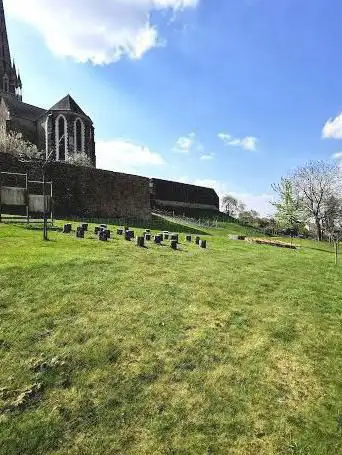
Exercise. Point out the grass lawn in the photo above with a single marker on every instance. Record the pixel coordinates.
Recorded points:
(110, 349)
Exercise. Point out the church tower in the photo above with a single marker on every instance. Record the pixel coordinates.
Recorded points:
(10, 82)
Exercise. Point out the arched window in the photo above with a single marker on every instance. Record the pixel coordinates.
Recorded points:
(79, 135)
(6, 84)
(61, 138)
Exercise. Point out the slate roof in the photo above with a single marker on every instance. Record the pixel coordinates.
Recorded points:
(23, 110)
(68, 104)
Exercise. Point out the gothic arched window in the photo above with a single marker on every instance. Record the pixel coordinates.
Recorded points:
(61, 138)
(79, 135)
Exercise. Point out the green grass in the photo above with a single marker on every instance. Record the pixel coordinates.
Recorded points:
(110, 349)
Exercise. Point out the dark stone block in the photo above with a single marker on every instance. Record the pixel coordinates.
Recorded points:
(97, 230)
(198, 239)
(147, 231)
(174, 237)
(148, 237)
(119, 231)
(203, 244)
(157, 239)
(107, 232)
(80, 233)
(188, 238)
(104, 226)
(128, 236)
(166, 236)
(103, 236)
(132, 234)
(67, 228)
(174, 244)
(84, 226)
(141, 241)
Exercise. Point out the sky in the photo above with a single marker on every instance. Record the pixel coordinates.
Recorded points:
(230, 94)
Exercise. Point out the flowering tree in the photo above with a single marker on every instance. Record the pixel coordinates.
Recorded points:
(14, 144)
(79, 159)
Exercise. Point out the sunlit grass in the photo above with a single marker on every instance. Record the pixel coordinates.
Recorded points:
(106, 348)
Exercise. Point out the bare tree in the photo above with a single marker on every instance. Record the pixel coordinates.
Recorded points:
(314, 184)
(332, 216)
(230, 205)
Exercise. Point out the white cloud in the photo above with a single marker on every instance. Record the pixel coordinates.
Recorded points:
(124, 156)
(333, 128)
(337, 156)
(208, 157)
(225, 137)
(185, 144)
(247, 143)
(258, 202)
(100, 31)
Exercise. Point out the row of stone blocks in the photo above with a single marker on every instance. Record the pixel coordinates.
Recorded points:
(104, 234)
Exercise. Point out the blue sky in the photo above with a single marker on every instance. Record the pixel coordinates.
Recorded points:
(227, 93)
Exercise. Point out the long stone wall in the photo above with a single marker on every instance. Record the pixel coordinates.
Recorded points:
(87, 192)
(183, 198)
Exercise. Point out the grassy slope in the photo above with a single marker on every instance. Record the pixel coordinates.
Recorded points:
(231, 350)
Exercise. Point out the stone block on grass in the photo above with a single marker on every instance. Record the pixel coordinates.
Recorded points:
(203, 244)
(102, 236)
(188, 238)
(67, 228)
(198, 239)
(157, 239)
(80, 233)
(140, 242)
(174, 244)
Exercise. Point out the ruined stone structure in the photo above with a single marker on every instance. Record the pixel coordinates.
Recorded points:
(63, 130)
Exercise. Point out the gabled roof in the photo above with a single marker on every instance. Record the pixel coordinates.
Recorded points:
(22, 110)
(68, 104)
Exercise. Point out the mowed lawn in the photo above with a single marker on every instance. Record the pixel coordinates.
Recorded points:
(110, 349)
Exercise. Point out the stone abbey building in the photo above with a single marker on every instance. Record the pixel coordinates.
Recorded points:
(63, 129)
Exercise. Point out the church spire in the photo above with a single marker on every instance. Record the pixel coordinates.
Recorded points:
(9, 82)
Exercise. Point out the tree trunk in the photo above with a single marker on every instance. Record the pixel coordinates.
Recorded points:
(318, 229)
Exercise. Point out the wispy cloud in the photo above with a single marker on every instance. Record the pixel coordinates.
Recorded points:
(125, 156)
(207, 157)
(248, 143)
(333, 128)
(185, 144)
(100, 32)
(337, 156)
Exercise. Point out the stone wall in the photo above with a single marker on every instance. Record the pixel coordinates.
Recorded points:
(87, 192)
(183, 198)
